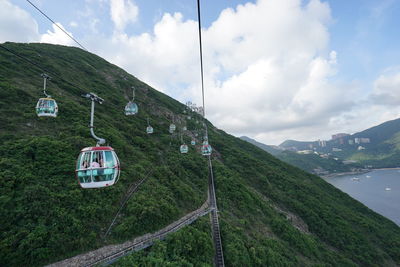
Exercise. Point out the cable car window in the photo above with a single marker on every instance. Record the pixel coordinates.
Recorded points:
(83, 174)
(95, 163)
(79, 162)
(109, 163)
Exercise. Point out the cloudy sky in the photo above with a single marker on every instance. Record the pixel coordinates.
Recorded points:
(274, 69)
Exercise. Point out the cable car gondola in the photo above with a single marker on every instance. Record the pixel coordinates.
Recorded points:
(131, 108)
(184, 149)
(46, 106)
(206, 149)
(193, 142)
(172, 128)
(97, 166)
(149, 129)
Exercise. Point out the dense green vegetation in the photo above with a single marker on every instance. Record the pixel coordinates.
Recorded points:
(271, 213)
(190, 246)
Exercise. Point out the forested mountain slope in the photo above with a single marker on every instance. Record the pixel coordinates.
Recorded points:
(270, 212)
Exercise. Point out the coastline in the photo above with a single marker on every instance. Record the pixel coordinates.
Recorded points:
(394, 168)
(331, 175)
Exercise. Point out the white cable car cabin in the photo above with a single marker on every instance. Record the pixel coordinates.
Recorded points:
(184, 149)
(46, 107)
(206, 149)
(149, 130)
(172, 128)
(131, 108)
(193, 142)
(97, 167)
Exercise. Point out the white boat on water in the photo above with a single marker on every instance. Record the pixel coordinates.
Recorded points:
(388, 188)
(368, 176)
(355, 179)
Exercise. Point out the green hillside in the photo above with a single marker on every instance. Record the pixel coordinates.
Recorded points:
(308, 162)
(273, 150)
(271, 213)
(314, 163)
(383, 150)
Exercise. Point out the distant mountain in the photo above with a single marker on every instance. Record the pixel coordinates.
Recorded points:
(384, 147)
(273, 150)
(378, 146)
(381, 132)
(297, 145)
(317, 164)
(313, 163)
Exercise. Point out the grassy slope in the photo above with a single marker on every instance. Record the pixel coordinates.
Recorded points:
(42, 206)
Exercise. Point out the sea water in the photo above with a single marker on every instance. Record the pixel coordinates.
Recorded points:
(379, 190)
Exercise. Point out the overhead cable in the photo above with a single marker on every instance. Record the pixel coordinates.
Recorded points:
(54, 75)
(57, 25)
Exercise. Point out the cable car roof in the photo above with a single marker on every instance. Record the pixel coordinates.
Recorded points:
(96, 148)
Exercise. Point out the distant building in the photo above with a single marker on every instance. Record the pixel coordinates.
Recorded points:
(360, 148)
(349, 162)
(335, 149)
(351, 142)
(364, 140)
(339, 135)
(305, 152)
(322, 143)
(341, 141)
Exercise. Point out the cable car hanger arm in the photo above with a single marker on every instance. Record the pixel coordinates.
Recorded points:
(94, 98)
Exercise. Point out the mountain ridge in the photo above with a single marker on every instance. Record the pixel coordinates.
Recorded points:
(375, 147)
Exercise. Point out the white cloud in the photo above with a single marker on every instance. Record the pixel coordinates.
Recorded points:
(269, 72)
(57, 36)
(16, 24)
(73, 24)
(122, 13)
(166, 58)
(267, 66)
(386, 90)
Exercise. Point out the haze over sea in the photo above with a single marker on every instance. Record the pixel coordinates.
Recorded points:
(379, 190)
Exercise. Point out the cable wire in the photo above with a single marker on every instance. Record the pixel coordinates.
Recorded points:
(57, 25)
(41, 68)
(201, 58)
